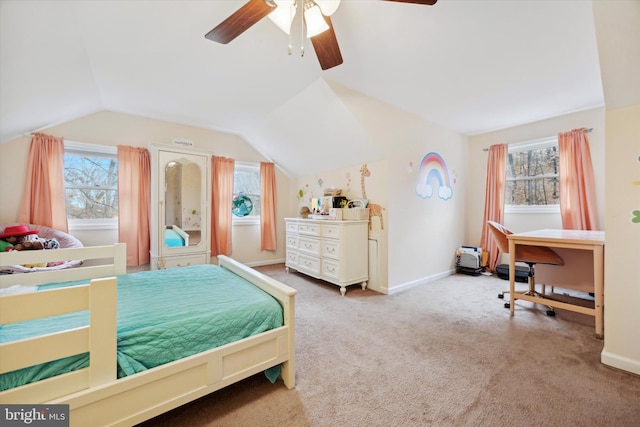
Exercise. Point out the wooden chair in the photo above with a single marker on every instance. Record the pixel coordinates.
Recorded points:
(530, 255)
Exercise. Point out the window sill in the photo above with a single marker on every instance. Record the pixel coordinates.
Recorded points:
(551, 209)
(246, 221)
(92, 224)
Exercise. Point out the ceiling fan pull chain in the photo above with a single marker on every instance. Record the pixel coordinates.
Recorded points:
(302, 28)
(292, 14)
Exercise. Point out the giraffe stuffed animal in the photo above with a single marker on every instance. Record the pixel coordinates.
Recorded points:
(374, 209)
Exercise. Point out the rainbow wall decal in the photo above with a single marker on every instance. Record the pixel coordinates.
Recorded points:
(433, 169)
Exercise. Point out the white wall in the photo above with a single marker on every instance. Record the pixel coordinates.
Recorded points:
(110, 128)
(420, 236)
(425, 233)
(622, 241)
(618, 33)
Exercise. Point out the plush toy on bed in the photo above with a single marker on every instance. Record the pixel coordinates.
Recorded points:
(5, 246)
(21, 238)
(25, 243)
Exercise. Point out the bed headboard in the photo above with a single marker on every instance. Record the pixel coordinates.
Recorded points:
(110, 260)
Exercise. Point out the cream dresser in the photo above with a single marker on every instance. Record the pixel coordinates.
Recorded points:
(334, 251)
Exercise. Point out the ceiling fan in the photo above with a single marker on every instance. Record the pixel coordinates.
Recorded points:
(316, 18)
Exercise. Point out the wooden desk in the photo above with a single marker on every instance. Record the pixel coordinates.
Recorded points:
(568, 239)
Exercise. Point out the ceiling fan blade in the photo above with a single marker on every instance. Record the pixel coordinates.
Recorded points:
(326, 46)
(424, 2)
(240, 21)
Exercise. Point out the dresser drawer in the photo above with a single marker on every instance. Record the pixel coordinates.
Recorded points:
(181, 261)
(330, 269)
(292, 259)
(331, 249)
(292, 241)
(309, 265)
(330, 231)
(309, 246)
(292, 227)
(309, 229)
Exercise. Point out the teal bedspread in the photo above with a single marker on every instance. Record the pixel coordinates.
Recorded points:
(172, 238)
(163, 316)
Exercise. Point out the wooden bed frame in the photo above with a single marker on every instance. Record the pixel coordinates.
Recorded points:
(94, 395)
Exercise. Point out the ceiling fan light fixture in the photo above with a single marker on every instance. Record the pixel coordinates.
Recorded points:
(328, 7)
(314, 19)
(283, 15)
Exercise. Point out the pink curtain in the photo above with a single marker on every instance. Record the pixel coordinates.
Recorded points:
(43, 200)
(222, 170)
(134, 202)
(577, 184)
(268, 221)
(494, 201)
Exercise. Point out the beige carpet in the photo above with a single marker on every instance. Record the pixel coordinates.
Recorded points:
(443, 354)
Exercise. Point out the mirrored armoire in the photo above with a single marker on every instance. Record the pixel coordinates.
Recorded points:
(180, 215)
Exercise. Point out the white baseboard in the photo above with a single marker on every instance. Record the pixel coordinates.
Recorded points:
(620, 362)
(420, 282)
(268, 262)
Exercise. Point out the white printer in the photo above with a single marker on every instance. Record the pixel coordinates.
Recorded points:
(469, 257)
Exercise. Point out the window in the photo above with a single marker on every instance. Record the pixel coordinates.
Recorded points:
(532, 176)
(246, 193)
(91, 185)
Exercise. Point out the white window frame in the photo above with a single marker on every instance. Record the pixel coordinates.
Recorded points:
(91, 224)
(526, 146)
(254, 220)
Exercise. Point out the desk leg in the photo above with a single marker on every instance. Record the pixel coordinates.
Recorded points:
(598, 279)
(512, 277)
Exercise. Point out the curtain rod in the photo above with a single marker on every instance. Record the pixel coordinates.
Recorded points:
(587, 130)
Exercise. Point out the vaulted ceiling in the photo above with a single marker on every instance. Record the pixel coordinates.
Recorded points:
(468, 66)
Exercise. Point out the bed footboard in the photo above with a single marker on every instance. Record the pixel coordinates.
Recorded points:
(98, 339)
(285, 296)
(142, 396)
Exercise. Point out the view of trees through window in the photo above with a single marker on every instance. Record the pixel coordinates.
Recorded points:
(91, 182)
(532, 175)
